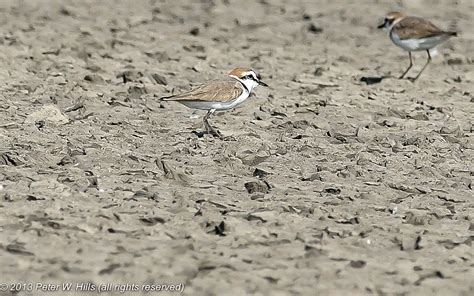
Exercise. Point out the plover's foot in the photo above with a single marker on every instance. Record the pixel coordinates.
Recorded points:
(215, 133)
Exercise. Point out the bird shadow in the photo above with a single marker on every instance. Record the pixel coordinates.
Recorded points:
(369, 80)
(201, 134)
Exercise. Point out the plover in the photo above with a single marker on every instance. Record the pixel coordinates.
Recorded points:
(414, 34)
(218, 95)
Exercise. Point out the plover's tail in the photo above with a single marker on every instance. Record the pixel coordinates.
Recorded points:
(168, 98)
(452, 33)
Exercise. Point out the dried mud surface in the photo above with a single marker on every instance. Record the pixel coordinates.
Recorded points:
(329, 186)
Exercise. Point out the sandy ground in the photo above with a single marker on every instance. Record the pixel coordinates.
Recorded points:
(330, 186)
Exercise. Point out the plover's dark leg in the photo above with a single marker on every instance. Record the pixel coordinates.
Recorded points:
(423, 69)
(209, 129)
(409, 67)
(207, 126)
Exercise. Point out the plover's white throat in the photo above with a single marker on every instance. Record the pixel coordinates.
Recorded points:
(220, 95)
(414, 34)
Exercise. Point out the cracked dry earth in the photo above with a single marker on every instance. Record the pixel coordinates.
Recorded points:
(329, 186)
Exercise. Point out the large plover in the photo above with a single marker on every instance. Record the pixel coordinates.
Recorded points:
(414, 34)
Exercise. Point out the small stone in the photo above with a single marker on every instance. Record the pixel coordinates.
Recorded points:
(318, 71)
(455, 61)
(256, 196)
(135, 91)
(357, 263)
(417, 218)
(160, 79)
(259, 173)
(259, 115)
(263, 216)
(393, 209)
(410, 244)
(253, 187)
(130, 75)
(94, 78)
(314, 29)
(47, 115)
(312, 178)
(194, 31)
(332, 190)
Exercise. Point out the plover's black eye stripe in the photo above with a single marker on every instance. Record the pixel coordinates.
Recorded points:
(250, 76)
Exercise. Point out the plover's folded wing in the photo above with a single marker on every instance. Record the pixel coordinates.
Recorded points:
(417, 28)
(212, 91)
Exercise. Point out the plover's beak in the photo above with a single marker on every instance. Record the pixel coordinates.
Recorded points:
(381, 26)
(262, 83)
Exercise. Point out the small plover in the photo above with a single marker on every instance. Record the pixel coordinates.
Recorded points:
(220, 95)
